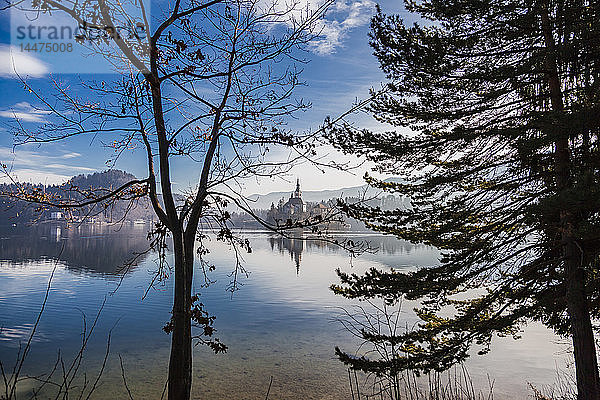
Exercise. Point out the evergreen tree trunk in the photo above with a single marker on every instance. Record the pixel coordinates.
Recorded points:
(180, 363)
(584, 347)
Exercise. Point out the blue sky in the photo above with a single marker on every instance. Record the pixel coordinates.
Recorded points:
(341, 69)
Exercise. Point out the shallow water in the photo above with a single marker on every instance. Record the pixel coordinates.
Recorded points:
(280, 323)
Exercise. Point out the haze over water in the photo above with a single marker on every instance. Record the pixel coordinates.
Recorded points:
(280, 323)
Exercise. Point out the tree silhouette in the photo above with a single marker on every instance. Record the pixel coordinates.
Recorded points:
(501, 103)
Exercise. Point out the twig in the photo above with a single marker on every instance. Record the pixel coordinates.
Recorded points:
(269, 389)
(23, 356)
(350, 380)
(124, 379)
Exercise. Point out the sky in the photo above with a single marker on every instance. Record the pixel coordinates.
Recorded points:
(341, 69)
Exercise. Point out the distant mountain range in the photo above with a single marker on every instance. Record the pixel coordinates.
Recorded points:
(263, 201)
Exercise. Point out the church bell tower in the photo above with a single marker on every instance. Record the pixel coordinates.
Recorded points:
(298, 192)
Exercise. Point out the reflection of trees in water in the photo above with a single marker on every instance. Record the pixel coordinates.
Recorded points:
(392, 246)
(387, 245)
(97, 248)
(105, 249)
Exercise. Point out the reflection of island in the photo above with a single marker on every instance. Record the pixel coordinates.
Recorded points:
(96, 248)
(294, 247)
(387, 245)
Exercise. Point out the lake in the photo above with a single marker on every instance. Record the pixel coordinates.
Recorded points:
(281, 323)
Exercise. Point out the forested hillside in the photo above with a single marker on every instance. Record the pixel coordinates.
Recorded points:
(18, 211)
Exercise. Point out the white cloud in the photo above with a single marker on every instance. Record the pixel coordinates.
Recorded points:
(359, 13)
(343, 16)
(71, 155)
(35, 176)
(25, 112)
(14, 62)
(74, 168)
(330, 38)
(38, 167)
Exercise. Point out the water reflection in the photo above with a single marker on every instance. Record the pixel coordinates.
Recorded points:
(294, 247)
(94, 248)
(378, 245)
(278, 324)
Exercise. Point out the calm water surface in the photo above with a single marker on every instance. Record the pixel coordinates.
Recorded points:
(280, 323)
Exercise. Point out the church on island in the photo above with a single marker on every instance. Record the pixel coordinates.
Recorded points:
(295, 207)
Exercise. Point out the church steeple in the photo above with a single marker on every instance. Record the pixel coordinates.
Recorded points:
(298, 193)
(295, 205)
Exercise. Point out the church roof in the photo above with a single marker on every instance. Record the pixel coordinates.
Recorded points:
(295, 200)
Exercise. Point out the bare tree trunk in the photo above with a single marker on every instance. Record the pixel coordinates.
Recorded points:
(180, 363)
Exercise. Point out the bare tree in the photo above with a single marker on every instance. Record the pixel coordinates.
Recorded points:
(211, 82)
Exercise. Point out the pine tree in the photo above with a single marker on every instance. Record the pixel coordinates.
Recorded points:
(496, 112)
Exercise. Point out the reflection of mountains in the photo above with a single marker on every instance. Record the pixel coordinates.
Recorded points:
(97, 248)
(388, 245)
